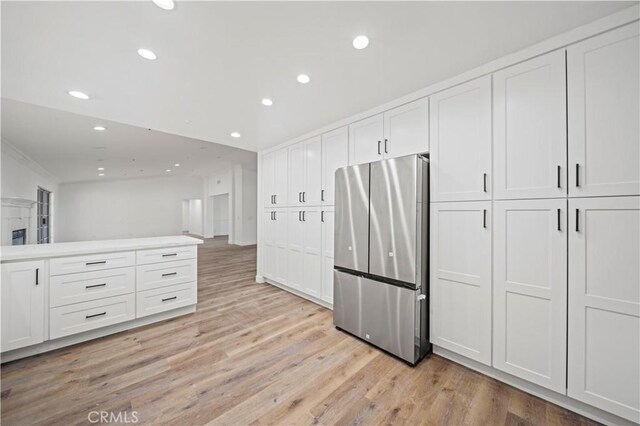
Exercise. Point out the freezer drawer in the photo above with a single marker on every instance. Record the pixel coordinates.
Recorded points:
(388, 316)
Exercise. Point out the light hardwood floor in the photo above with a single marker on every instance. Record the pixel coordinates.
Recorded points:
(254, 354)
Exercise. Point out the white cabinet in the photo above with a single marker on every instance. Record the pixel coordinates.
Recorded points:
(295, 254)
(275, 166)
(305, 249)
(530, 290)
(365, 140)
(603, 114)
(460, 142)
(461, 278)
(406, 129)
(274, 245)
(305, 172)
(328, 221)
(268, 244)
(604, 304)
(296, 169)
(335, 154)
(23, 306)
(530, 133)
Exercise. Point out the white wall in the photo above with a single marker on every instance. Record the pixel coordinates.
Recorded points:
(221, 214)
(246, 223)
(195, 217)
(124, 209)
(217, 184)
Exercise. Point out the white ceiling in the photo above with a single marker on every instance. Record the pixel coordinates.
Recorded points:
(217, 60)
(66, 145)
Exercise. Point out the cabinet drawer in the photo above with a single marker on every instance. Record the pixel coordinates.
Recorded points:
(72, 319)
(166, 298)
(94, 262)
(169, 254)
(165, 274)
(85, 286)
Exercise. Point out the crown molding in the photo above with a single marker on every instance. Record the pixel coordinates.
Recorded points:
(12, 151)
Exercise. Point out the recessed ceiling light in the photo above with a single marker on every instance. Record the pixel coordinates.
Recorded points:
(100, 169)
(164, 4)
(79, 95)
(360, 42)
(168, 170)
(100, 128)
(235, 135)
(100, 174)
(147, 54)
(303, 78)
(176, 165)
(267, 102)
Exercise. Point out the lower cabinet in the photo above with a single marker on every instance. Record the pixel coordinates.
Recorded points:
(162, 299)
(604, 304)
(274, 245)
(327, 219)
(23, 305)
(530, 290)
(461, 278)
(304, 257)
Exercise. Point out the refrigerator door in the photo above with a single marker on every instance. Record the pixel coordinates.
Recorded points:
(384, 315)
(351, 232)
(396, 185)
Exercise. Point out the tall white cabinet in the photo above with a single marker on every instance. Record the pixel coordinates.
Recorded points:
(274, 178)
(305, 173)
(335, 154)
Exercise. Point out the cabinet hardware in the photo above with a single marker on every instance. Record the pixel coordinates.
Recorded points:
(299, 197)
(275, 199)
(484, 182)
(37, 276)
(577, 175)
(169, 274)
(304, 196)
(274, 216)
(271, 215)
(102, 262)
(322, 195)
(484, 218)
(379, 142)
(559, 228)
(169, 254)
(322, 216)
(559, 172)
(170, 298)
(95, 315)
(303, 218)
(385, 146)
(96, 285)
(577, 220)
(299, 216)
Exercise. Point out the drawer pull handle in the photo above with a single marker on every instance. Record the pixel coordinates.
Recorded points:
(170, 254)
(102, 262)
(169, 274)
(96, 285)
(95, 315)
(170, 298)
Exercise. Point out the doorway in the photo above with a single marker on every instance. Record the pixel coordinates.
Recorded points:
(221, 219)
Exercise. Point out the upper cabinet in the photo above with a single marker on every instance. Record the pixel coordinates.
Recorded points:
(335, 154)
(460, 142)
(400, 131)
(305, 172)
(274, 178)
(530, 132)
(603, 114)
(406, 129)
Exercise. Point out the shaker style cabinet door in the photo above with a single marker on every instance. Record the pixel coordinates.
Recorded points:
(604, 304)
(295, 255)
(311, 195)
(604, 114)
(281, 241)
(461, 278)
(460, 142)
(406, 129)
(23, 304)
(530, 290)
(312, 252)
(327, 218)
(268, 179)
(335, 154)
(268, 244)
(281, 166)
(297, 173)
(530, 133)
(366, 138)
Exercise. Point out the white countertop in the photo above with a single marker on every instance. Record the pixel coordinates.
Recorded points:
(42, 251)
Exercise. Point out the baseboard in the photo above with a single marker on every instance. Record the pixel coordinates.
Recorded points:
(260, 279)
(533, 389)
(51, 345)
(245, 243)
(300, 294)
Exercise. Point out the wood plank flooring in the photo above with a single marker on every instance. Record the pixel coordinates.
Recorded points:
(254, 354)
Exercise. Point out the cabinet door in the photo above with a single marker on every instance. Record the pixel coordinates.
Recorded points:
(530, 147)
(365, 140)
(460, 142)
(268, 244)
(335, 154)
(297, 173)
(312, 252)
(461, 278)
(313, 172)
(268, 179)
(281, 165)
(327, 219)
(295, 256)
(281, 243)
(604, 140)
(23, 304)
(406, 129)
(604, 304)
(530, 290)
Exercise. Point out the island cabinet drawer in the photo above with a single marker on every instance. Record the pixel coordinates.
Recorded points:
(166, 298)
(94, 262)
(73, 319)
(169, 254)
(85, 286)
(165, 274)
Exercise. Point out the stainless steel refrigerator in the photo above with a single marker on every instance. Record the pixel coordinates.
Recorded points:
(381, 254)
